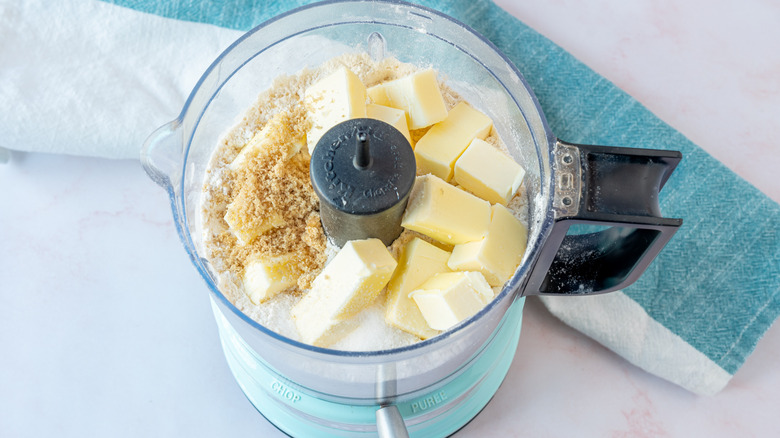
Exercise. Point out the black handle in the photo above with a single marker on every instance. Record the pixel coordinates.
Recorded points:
(608, 226)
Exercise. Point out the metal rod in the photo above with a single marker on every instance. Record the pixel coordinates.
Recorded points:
(362, 152)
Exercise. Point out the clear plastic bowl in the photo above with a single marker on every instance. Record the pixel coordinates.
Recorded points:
(438, 384)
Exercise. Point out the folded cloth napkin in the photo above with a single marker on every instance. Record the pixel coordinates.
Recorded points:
(94, 78)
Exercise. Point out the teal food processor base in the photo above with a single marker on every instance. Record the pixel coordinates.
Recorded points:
(437, 411)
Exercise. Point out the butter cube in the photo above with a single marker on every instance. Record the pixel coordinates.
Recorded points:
(445, 213)
(488, 173)
(419, 260)
(246, 221)
(318, 329)
(265, 277)
(418, 94)
(392, 116)
(438, 150)
(498, 255)
(275, 133)
(338, 97)
(449, 298)
(349, 283)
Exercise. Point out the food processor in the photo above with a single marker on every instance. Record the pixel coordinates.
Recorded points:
(594, 223)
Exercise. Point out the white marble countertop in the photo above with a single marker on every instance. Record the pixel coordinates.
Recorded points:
(106, 328)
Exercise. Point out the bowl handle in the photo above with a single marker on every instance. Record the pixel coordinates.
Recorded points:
(607, 222)
(161, 154)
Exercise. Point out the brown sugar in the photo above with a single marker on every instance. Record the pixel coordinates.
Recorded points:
(272, 187)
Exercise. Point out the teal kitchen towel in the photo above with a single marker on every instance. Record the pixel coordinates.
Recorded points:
(693, 318)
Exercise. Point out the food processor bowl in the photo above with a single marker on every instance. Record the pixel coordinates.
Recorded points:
(431, 388)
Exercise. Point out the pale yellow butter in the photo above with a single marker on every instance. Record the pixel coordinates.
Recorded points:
(393, 116)
(445, 213)
(350, 282)
(438, 150)
(265, 277)
(488, 173)
(447, 299)
(318, 329)
(498, 254)
(247, 228)
(419, 260)
(336, 98)
(418, 94)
